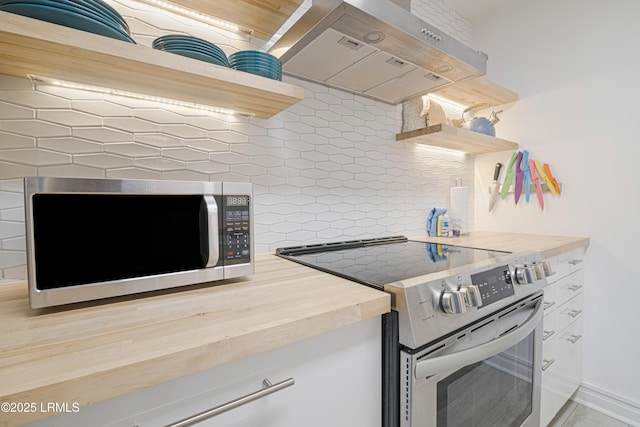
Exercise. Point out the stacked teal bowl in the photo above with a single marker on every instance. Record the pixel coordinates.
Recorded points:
(192, 47)
(93, 16)
(256, 62)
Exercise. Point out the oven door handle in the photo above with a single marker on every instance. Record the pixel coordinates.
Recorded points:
(436, 365)
(212, 220)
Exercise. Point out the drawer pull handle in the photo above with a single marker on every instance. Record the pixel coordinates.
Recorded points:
(547, 334)
(575, 262)
(269, 389)
(575, 287)
(548, 304)
(574, 338)
(546, 363)
(574, 313)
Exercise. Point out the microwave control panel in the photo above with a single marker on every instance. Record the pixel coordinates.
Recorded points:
(236, 229)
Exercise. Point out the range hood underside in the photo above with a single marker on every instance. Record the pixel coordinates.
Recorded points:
(354, 51)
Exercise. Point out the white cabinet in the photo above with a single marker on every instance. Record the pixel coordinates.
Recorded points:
(337, 382)
(563, 332)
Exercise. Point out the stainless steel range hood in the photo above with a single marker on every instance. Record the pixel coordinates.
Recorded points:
(374, 48)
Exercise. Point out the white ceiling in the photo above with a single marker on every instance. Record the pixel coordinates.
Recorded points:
(470, 9)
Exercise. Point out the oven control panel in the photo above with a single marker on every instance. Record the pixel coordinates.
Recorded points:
(430, 309)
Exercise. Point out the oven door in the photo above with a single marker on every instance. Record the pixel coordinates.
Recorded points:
(487, 374)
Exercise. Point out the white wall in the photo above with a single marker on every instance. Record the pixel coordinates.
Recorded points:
(575, 64)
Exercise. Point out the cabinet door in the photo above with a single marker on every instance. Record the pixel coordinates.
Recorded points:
(337, 375)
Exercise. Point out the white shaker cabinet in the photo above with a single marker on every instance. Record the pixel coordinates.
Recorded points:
(337, 382)
(563, 332)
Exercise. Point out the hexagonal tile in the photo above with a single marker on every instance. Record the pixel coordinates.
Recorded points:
(35, 157)
(74, 171)
(33, 99)
(131, 124)
(229, 137)
(158, 140)
(185, 154)
(34, 128)
(13, 111)
(207, 167)
(159, 116)
(9, 140)
(184, 131)
(101, 108)
(207, 145)
(133, 173)
(159, 164)
(131, 149)
(101, 134)
(69, 118)
(102, 160)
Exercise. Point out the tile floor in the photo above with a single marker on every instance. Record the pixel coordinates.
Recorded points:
(576, 415)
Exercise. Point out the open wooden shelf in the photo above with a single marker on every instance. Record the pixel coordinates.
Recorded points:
(30, 47)
(477, 91)
(263, 17)
(445, 136)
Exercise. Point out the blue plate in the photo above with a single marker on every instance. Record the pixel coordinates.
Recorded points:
(196, 55)
(270, 75)
(55, 15)
(255, 62)
(200, 54)
(185, 45)
(103, 9)
(69, 7)
(163, 40)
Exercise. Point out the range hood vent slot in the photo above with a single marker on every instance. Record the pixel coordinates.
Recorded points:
(351, 44)
(374, 48)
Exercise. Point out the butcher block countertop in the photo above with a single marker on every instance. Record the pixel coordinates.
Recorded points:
(547, 245)
(93, 352)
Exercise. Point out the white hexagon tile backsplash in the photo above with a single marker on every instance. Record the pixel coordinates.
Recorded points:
(326, 169)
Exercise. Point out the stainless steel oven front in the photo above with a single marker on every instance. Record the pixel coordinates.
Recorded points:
(487, 374)
(469, 345)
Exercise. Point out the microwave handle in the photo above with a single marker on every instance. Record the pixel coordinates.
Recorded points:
(212, 220)
(435, 365)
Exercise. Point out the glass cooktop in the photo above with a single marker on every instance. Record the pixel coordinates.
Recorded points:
(377, 262)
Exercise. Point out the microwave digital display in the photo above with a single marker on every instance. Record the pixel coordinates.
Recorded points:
(237, 200)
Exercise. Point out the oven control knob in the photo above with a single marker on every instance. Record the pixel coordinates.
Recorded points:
(546, 267)
(452, 302)
(526, 274)
(471, 295)
(538, 269)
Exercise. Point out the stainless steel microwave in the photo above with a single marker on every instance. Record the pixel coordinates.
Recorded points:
(90, 239)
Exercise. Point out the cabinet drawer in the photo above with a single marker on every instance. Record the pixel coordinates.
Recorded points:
(563, 290)
(556, 322)
(566, 263)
